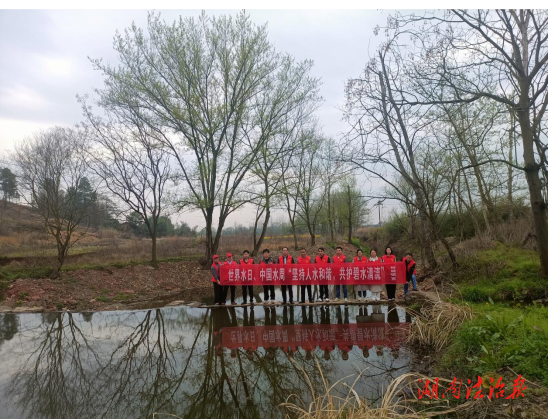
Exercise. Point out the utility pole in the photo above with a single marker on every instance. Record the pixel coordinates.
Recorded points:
(379, 204)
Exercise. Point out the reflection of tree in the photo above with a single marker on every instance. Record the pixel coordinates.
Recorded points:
(8, 327)
(171, 361)
(60, 379)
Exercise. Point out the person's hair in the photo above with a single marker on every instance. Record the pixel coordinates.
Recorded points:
(388, 248)
(285, 248)
(409, 254)
(266, 250)
(321, 249)
(339, 247)
(303, 249)
(372, 249)
(358, 250)
(245, 250)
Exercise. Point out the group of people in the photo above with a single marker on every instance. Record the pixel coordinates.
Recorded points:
(221, 292)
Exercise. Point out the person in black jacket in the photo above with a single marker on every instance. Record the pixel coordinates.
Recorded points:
(285, 258)
(269, 296)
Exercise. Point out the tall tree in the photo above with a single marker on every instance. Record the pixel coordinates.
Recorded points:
(51, 168)
(8, 183)
(466, 52)
(133, 166)
(215, 91)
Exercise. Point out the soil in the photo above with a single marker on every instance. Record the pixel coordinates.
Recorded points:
(113, 288)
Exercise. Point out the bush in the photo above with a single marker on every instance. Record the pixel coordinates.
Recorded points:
(500, 336)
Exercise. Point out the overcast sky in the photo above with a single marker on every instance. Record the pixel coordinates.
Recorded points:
(45, 62)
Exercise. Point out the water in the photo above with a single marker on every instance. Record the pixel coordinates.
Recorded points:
(192, 362)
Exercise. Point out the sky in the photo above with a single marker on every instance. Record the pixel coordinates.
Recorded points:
(45, 64)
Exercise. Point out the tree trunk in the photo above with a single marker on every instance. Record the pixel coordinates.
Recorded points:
(538, 205)
(257, 246)
(154, 261)
(349, 215)
(209, 236)
(329, 214)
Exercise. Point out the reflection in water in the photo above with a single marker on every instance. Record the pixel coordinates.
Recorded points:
(228, 362)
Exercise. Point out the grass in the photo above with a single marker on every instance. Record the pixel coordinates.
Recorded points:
(341, 401)
(52, 252)
(500, 336)
(103, 299)
(435, 324)
(503, 273)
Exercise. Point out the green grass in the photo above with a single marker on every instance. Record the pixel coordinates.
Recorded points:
(502, 274)
(501, 336)
(103, 299)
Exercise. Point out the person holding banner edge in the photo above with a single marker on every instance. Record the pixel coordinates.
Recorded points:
(305, 259)
(285, 258)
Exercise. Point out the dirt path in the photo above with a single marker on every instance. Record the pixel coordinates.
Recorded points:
(113, 288)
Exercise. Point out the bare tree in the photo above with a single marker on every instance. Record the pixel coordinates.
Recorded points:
(466, 53)
(132, 163)
(214, 90)
(51, 166)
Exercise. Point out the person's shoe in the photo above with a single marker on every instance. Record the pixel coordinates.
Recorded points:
(244, 302)
(301, 301)
(216, 304)
(336, 299)
(310, 300)
(415, 290)
(252, 302)
(233, 303)
(319, 299)
(327, 299)
(291, 302)
(284, 302)
(346, 299)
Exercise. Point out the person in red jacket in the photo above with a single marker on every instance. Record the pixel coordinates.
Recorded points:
(323, 258)
(388, 257)
(338, 258)
(285, 258)
(305, 259)
(247, 289)
(216, 279)
(269, 296)
(410, 271)
(361, 289)
(230, 261)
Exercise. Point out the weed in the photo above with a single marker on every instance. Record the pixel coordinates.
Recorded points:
(103, 299)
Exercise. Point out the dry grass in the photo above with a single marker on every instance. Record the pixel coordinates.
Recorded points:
(434, 324)
(400, 400)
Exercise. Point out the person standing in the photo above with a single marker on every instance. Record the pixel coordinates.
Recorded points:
(410, 266)
(269, 296)
(361, 288)
(388, 257)
(247, 289)
(338, 258)
(285, 258)
(375, 289)
(305, 259)
(230, 261)
(323, 258)
(216, 279)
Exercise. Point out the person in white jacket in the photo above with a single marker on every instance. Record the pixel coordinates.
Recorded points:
(375, 289)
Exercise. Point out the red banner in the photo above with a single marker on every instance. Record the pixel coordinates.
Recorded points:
(325, 336)
(321, 274)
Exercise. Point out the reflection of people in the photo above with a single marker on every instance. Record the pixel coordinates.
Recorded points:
(344, 348)
(285, 258)
(361, 289)
(388, 257)
(325, 318)
(305, 259)
(340, 258)
(249, 320)
(308, 318)
(323, 258)
(221, 318)
(291, 319)
(270, 316)
(230, 261)
(247, 289)
(375, 289)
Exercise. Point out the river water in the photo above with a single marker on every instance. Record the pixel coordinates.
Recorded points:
(193, 362)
